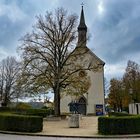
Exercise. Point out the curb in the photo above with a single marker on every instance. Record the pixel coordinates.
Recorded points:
(65, 136)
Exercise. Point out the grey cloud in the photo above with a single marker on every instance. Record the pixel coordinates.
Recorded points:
(16, 18)
(116, 35)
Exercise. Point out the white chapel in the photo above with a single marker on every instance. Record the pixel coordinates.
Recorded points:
(92, 102)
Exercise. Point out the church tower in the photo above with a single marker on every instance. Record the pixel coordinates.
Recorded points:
(91, 102)
(82, 31)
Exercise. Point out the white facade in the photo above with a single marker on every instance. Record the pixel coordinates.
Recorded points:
(95, 94)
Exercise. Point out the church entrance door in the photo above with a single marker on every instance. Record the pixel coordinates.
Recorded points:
(82, 106)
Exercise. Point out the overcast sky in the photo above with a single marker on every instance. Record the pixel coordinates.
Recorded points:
(114, 26)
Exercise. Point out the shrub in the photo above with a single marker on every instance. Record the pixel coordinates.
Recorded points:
(20, 123)
(23, 106)
(44, 107)
(35, 112)
(23, 109)
(50, 111)
(4, 109)
(119, 114)
(7, 109)
(119, 125)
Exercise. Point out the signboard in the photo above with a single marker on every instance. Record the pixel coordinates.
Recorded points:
(99, 109)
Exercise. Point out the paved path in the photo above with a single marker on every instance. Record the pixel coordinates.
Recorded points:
(88, 127)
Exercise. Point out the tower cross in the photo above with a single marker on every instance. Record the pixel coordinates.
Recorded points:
(82, 4)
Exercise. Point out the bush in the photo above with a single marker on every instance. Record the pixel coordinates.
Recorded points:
(119, 125)
(23, 106)
(44, 107)
(20, 110)
(20, 123)
(35, 112)
(119, 114)
(4, 109)
(7, 109)
(50, 111)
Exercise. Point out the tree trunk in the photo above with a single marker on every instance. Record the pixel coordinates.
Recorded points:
(57, 101)
(4, 104)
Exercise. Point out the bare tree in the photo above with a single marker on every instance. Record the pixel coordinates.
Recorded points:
(9, 71)
(48, 53)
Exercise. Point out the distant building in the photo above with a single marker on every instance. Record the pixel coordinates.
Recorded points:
(95, 95)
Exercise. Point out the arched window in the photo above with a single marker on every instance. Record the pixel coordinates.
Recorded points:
(82, 100)
(82, 105)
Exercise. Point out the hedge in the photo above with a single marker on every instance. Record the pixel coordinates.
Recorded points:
(30, 111)
(20, 123)
(35, 112)
(22, 105)
(119, 125)
(119, 114)
(4, 109)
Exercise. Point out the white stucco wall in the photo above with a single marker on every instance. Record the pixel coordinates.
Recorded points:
(95, 94)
